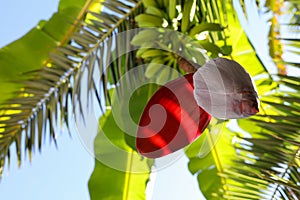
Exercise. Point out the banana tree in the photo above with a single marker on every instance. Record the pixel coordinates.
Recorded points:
(104, 53)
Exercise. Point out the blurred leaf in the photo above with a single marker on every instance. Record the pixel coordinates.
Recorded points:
(120, 173)
(208, 168)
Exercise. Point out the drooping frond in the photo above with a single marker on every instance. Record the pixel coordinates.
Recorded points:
(259, 158)
(270, 156)
(267, 162)
(45, 100)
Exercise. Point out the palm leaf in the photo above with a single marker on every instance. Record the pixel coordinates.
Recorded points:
(269, 157)
(44, 101)
(272, 152)
(214, 172)
(265, 162)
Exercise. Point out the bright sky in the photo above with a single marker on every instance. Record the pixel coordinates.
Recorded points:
(63, 173)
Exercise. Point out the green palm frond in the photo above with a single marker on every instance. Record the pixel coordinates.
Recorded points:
(267, 162)
(270, 157)
(45, 100)
(263, 163)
